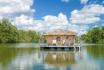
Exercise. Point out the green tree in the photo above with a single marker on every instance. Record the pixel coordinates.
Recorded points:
(10, 34)
(95, 35)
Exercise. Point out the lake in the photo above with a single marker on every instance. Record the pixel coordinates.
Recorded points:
(26, 56)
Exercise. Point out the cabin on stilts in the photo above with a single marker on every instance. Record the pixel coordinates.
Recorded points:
(60, 37)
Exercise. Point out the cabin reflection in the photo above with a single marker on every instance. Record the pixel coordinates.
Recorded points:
(60, 59)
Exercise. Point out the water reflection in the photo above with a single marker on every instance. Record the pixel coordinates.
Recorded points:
(9, 54)
(60, 59)
(97, 52)
(12, 58)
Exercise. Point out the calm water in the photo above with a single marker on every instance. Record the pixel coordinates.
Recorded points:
(26, 57)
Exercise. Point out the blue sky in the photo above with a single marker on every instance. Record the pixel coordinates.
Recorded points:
(44, 15)
(54, 7)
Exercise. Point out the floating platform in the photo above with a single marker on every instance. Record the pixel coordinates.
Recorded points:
(59, 48)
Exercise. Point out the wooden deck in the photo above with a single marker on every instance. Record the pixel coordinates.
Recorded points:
(59, 48)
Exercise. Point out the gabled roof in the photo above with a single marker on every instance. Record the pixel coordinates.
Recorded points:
(60, 32)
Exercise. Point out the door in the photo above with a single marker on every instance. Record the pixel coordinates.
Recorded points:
(58, 39)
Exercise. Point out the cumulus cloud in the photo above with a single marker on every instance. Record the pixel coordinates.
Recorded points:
(28, 23)
(21, 9)
(88, 14)
(94, 9)
(61, 19)
(78, 29)
(23, 21)
(48, 23)
(15, 6)
(61, 22)
(20, 12)
(84, 1)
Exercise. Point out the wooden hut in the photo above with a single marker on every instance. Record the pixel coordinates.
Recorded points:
(60, 37)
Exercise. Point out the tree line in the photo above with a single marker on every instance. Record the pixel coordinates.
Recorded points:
(10, 34)
(95, 35)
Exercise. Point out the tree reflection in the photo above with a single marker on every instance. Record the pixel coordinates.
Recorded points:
(96, 51)
(8, 52)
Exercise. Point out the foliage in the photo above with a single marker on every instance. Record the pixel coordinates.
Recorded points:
(10, 34)
(95, 35)
(28, 36)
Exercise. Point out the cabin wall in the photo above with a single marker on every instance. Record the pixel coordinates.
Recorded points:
(69, 39)
(49, 39)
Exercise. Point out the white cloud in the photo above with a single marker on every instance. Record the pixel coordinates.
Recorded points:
(49, 22)
(28, 23)
(61, 22)
(23, 21)
(84, 1)
(19, 12)
(94, 9)
(15, 6)
(78, 29)
(9, 8)
(66, 1)
(55, 22)
(61, 19)
(88, 14)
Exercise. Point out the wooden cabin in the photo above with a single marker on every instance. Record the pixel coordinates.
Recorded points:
(60, 37)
